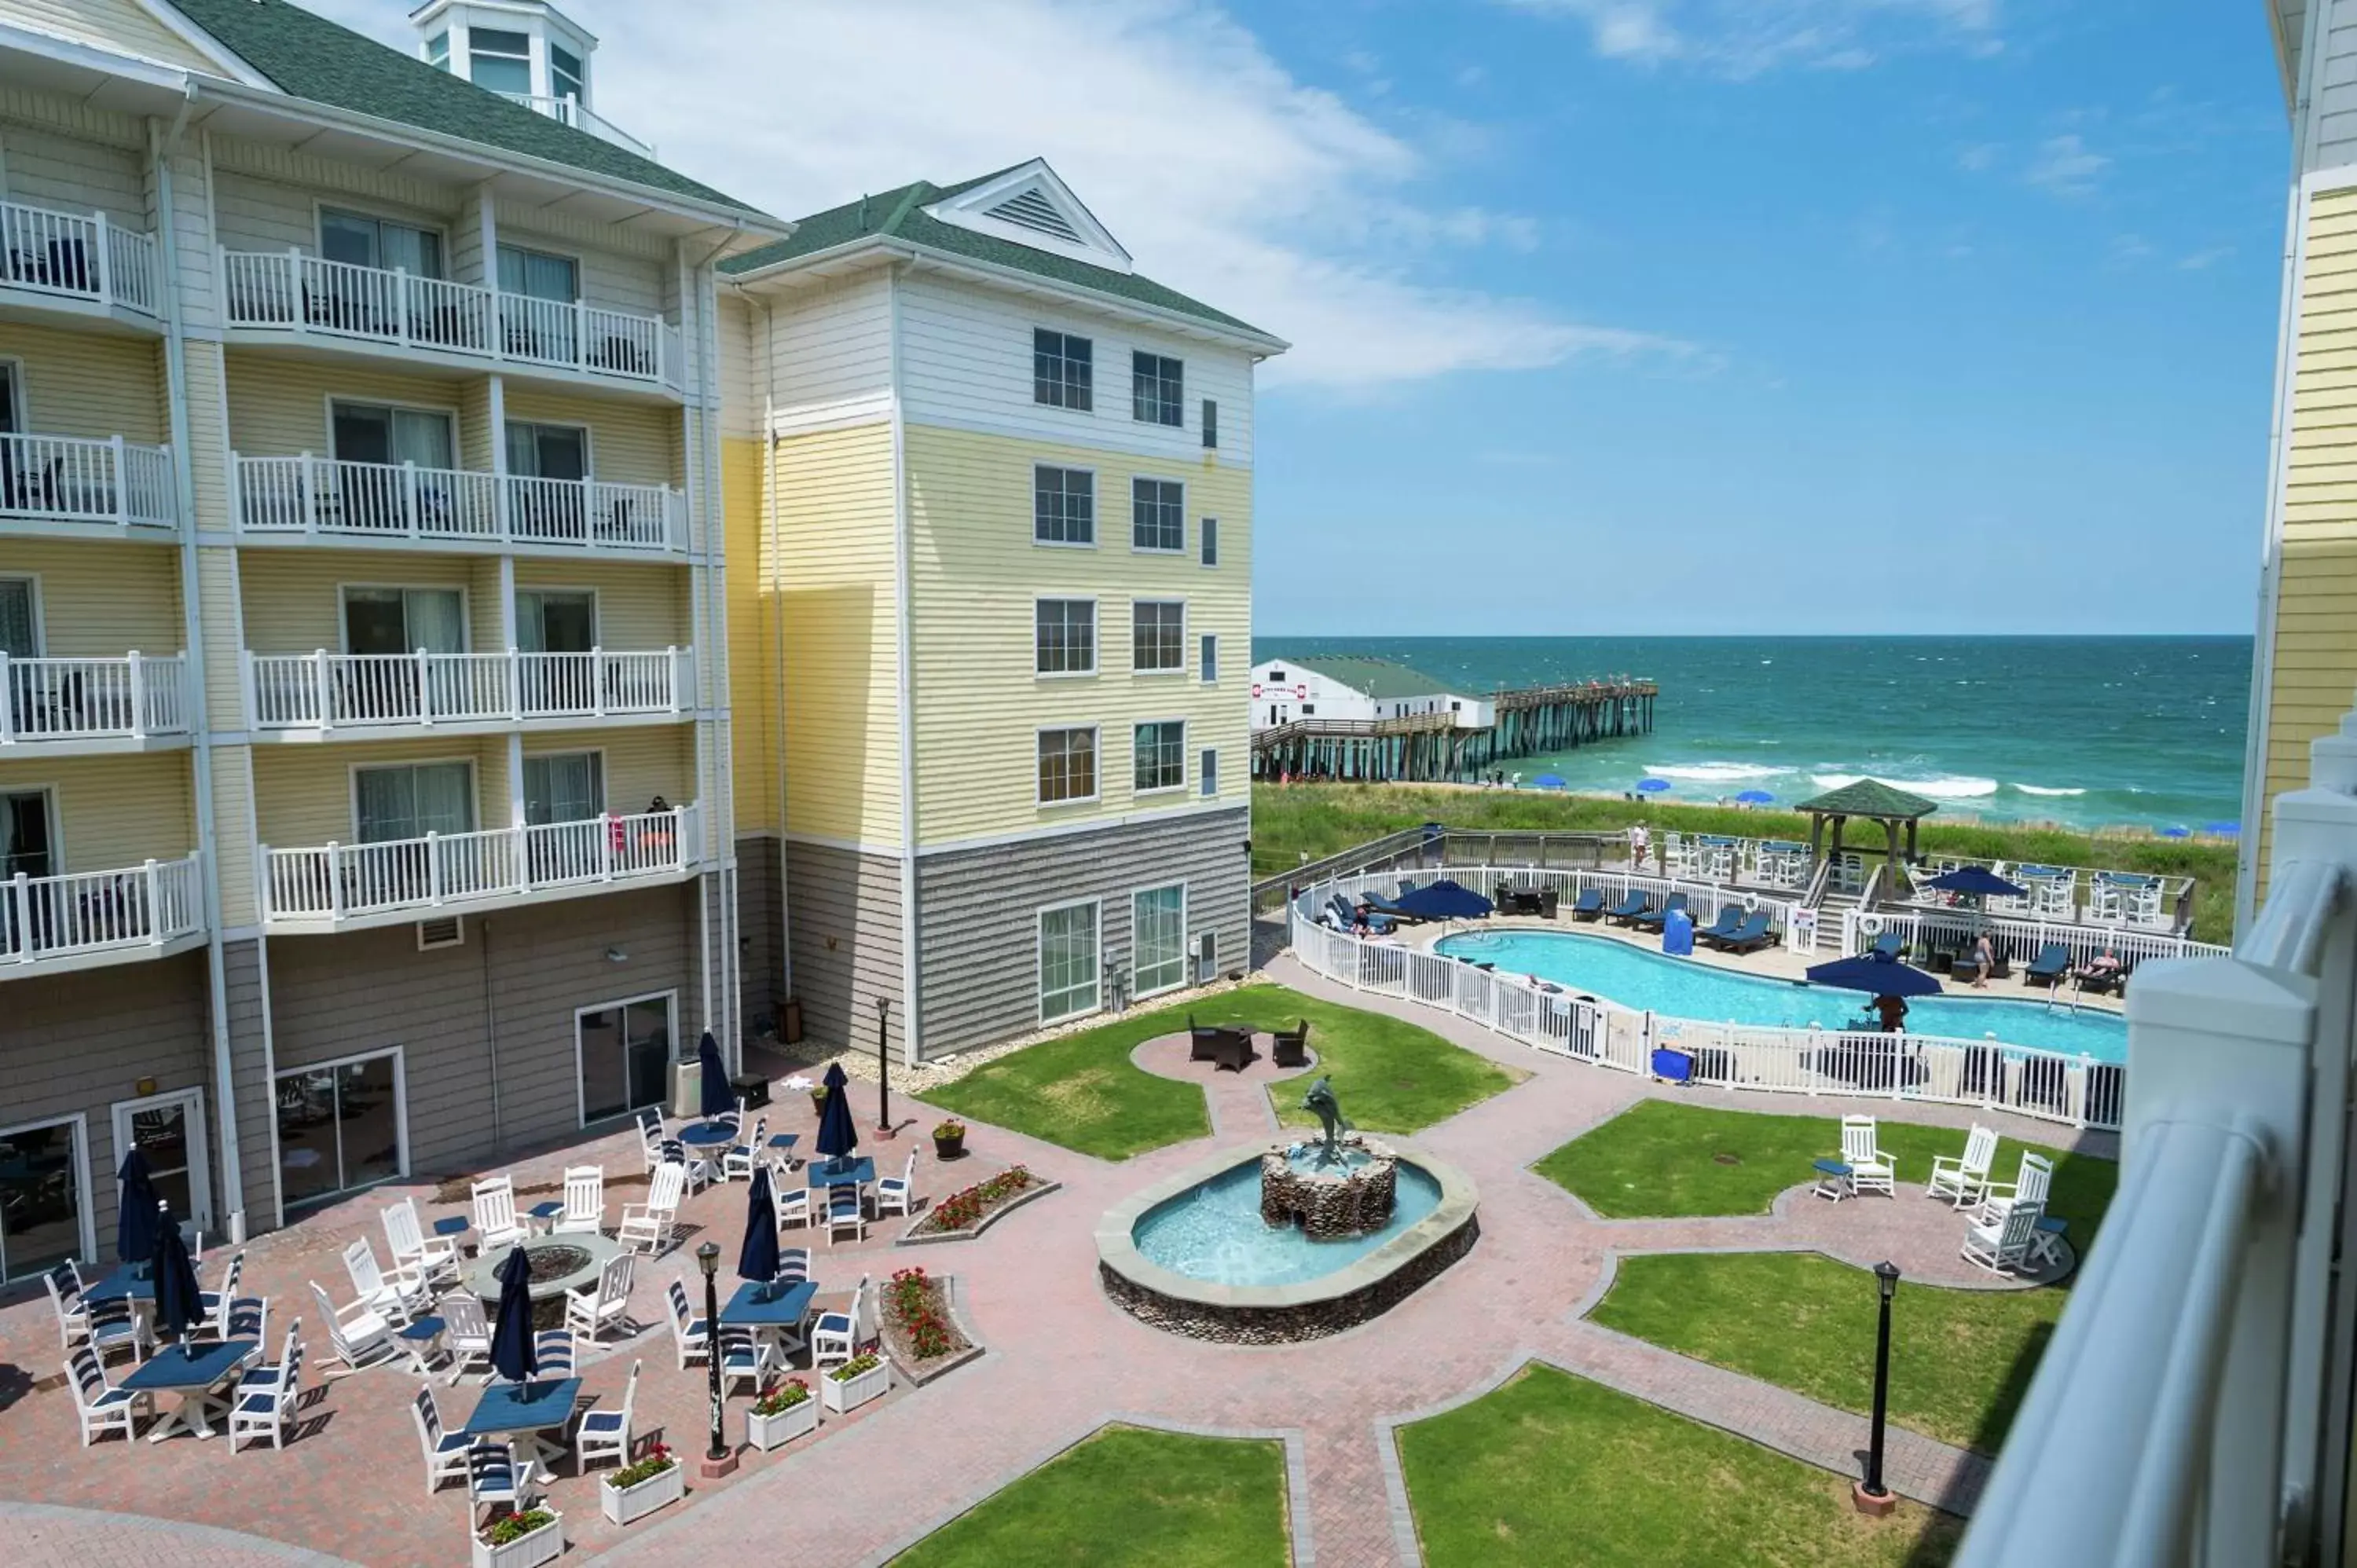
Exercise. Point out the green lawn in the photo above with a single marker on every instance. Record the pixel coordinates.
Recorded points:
(1128, 1495)
(1081, 1091)
(1659, 1159)
(1554, 1469)
(1960, 1360)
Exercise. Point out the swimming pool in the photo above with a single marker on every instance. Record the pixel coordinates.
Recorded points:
(1683, 988)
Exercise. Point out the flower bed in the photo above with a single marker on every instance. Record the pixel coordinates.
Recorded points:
(969, 1212)
(920, 1326)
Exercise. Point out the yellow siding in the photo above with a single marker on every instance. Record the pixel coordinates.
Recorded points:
(119, 24)
(974, 574)
(101, 603)
(278, 405)
(114, 811)
(753, 640)
(208, 431)
(79, 384)
(304, 793)
(629, 444)
(294, 599)
(233, 839)
(832, 587)
(640, 764)
(639, 607)
(217, 581)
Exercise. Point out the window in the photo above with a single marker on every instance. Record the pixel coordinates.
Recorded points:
(536, 275)
(1211, 423)
(393, 804)
(625, 1050)
(1157, 935)
(364, 242)
(169, 1129)
(1063, 369)
(1161, 751)
(404, 620)
(1063, 506)
(1069, 964)
(564, 786)
(1210, 540)
(1308, 710)
(1276, 677)
(1068, 764)
(1211, 659)
(1158, 514)
(1158, 390)
(1210, 762)
(548, 451)
(42, 1197)
(1157, 636)
(340, 1127)
(566, 77)
(549, 621)
(377, 433)
(26, 818)
(20, 620)
(499, 60)
(437, 51)
(1065, 642)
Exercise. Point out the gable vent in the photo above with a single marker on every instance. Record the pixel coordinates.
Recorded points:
(449, 932)
(1035, 212)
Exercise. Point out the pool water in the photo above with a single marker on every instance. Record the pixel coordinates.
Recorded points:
(1683, 988)
(1214, 1232)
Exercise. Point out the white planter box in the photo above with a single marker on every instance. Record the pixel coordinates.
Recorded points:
(623, 1505)
(768, 1431)
(545, 1544)
(844, 1396)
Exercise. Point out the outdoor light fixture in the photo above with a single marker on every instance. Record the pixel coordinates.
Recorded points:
(883, 1069)
(1871, 1495)
(717, 1460)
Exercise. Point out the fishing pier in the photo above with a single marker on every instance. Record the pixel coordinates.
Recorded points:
(1443, 748)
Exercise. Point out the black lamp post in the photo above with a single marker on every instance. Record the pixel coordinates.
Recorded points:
(717, 1460)
(883, 1069)
(1872, 1496)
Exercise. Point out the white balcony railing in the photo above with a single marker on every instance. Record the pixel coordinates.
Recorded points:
(337, 882)
(289, 291)
(98, 911)
(569, 111)
(385, 501)
(2191, 1405)
(133, 698)
(77, 256)
(322, 690)
(112, 483)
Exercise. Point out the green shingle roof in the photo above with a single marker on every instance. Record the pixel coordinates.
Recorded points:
(1378, 678)
(309, 57)
(1869, 798)
(895, 214)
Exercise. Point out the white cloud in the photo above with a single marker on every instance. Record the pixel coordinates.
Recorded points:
(1976, 158)
(2203, 260)
(1746, 38)
(2066, 166)
(1226, 177)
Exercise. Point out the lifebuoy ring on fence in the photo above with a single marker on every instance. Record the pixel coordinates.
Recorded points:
(1871, 924)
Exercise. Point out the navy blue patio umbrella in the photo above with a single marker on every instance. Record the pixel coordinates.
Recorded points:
(837, 1134)
(511, 1350)
(1443, 900)
(757, 1258)
(135, 1215)
(1877, 974)
(177, 1293)
(1754, 797)
(719, 1098)
(1976, 881)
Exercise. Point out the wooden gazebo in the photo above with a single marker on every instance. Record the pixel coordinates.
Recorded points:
(1871, 799)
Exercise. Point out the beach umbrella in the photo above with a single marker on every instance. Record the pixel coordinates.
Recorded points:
(511, 1350)
(837, 1135)
(1754, 797)
(177, 1293)
(719, 1098)
(757, 1258)
(2223, 830)
(134, 1214)
(1552, 781)
(1443, 900)
(2177, 832)
(1978, 882)
(1877, 974)
(1652, 786)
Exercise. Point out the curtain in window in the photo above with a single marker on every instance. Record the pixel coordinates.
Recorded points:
(17, 638)
(435, 620)
(563, 788)
(422, 438)
(537, 275)
(387, 798)
(446, 799)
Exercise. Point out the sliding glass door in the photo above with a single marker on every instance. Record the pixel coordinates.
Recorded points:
(626, 1050)
(44, 1200)
(340, 1127)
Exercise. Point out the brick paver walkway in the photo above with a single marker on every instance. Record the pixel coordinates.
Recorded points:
(1061, 1360)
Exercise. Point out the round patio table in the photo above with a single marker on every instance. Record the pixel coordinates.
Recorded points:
(706, 1134)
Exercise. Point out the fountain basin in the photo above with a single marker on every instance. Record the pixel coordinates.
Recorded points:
(1158, 1250)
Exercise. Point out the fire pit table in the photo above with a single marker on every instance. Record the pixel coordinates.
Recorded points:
(559, 1263)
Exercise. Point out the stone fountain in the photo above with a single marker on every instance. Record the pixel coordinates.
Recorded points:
(1343, 1185)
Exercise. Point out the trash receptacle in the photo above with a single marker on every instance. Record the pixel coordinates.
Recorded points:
(1677, 932)
(1672, 1065)
(687, 1088)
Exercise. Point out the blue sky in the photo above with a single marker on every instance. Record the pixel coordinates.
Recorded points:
(1623, 315)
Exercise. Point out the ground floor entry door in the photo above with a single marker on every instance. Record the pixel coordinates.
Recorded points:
(169, 1129)
(626, 1050)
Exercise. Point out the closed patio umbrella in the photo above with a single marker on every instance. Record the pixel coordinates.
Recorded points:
(134, 1218)
(1443, 900)
(511, 1350)
(837, 1134)
(757, 1258)
(176, 1292)
(719, 1098)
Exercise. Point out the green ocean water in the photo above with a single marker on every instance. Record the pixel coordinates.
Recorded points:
(2087, 731)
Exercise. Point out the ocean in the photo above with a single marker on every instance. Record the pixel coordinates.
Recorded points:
(2085, 730)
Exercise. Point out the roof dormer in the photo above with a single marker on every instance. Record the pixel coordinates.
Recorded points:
(525, 50)
(1028, 205)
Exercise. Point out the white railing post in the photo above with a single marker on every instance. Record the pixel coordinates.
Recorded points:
(138, 701)
(335, 882)
(306, 481)
(434, 868)
(295, 289)
(401, 305)
(424, 689)
(580, 336)
(119, 470)
(20, 901)
(155, 905)
(411, 522)
(682, 670)
(606, 823)
(598, 683)
(100, 263)
(8, 701)
(322, 689)
(515, 685)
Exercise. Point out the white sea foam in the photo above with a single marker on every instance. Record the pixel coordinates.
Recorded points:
(2043, 790)
(1712, 772)
(1942, 789)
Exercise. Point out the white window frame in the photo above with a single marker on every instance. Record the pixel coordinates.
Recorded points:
(200, 1172)
(400, 1123)
(1040, 959)
(588, 431)
(1207, 544)
(13, 366)
(580, 1101)
(1186, 958)
(604, 774)
(1137, 549)
(1180, 401)
(79, 1121)
(1088, 337)
(1096, 636)
(1096, 733)
(1096, 511)
(1208, 776)
(380, 212)
(596, 603)
(32, 581)
(1178, 669)
(353, 786)
(54, 818)
(1178, 788)
(451, 411)
(1207, 658)
(536, 246)
(466, 609)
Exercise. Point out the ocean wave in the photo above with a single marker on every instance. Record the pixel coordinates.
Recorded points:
(1942, 789)
(2043, 790)
(1712, 772)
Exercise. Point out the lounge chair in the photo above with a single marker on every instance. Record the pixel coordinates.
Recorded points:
(2099, 982)
(1652, 919)
(1627, 910)
(2053, 961)
(1751, 936)
(1589, 906)
(1383, 906)
(1730, 919)
(1292, 1046)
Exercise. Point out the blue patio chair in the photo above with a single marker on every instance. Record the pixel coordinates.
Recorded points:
(1650, 918)
(1589, 906)
(2052, 962)
(1627, 910)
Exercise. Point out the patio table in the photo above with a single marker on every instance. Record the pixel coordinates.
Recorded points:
(193, 1373)
(422, 1337)
(707, 1134)
(1836, 1180)
(2047, 1231)
(524, 1410)
(452, 1225)
(771, 1311)
(841, 1173)
(124, 1284)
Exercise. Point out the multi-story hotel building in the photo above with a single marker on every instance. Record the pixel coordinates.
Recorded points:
(364, 755)
(989, 496)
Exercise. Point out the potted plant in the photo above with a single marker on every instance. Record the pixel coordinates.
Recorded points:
(784, 1411)
(818, 1098)
(948, 1140)
(524, 1540)
(636, 1490)
(857, 1380)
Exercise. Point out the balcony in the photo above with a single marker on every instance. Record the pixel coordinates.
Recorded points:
(59, 706)
(322, 695)
(345, 886)
(75, 487)
(306, 498)
(49, 924)
(304, 297)
(568, 111)
(83, 263)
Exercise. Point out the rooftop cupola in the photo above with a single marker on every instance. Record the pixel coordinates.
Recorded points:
(525, 50)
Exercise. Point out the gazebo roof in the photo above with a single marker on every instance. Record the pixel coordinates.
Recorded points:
(1869, 798)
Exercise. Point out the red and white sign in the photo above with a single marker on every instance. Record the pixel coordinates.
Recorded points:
(1256, 688)
(1302, 691)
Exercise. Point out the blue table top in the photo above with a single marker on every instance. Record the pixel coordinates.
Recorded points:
(180, 1367)
(548, 1210)
(703, 1135)
(452, 1225)
(1833, 1167)
(748, 1309)
(421, 1329)
(838, 1172)
(523, 1407)
(120, 1285)
(2052, 1224)
(785, 1140)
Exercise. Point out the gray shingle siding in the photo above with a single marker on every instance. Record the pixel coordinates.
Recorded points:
(845, 929)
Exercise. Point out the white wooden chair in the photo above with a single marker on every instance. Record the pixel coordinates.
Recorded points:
(496, 1224)
(212, 1305)
(358, 1337)
(445, 1452)
(737, 1163)
(1870, 1169)
(1963, 1179)
(790, 1199)
(592, 1308)
(836, 1335)
(119, 1325)
(585, 1201)
(552, 1353)
(896, 1194)
(606, 1433)
(65, 1294)
(466, 1332)
(103, 1407)
(267, 1410)
(268, 1373)
(433, 1258)
(395, 1297)
(742, 1359)
(690, 1335)
(244, 1318)
(2002, 1245)
(793, 1263)
(492, 1475)
(844, 1213)
(650, 1224)
(2028, 1188)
